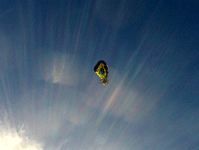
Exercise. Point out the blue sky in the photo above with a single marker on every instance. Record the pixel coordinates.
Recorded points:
(50, 98)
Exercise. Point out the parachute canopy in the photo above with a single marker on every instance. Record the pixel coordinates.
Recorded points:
(101, 69)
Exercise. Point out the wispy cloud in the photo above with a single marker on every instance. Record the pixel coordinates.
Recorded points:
(57, 67)
(62, 144)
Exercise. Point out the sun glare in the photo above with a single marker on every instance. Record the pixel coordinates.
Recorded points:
(12, 140)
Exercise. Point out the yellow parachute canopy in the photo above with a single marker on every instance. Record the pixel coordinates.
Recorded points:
(101, 69)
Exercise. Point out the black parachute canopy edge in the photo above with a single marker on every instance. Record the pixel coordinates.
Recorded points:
(97, 65)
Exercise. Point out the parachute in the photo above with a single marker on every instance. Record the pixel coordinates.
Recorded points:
(101, 69)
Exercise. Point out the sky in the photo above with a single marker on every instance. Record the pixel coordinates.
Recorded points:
(50, 96)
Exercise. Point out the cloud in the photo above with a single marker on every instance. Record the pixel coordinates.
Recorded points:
(51, 112)
(13, 139)
(57, 67)
(122, 99)
(7, 55)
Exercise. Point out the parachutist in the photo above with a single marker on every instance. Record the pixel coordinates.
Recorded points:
(104, 81)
